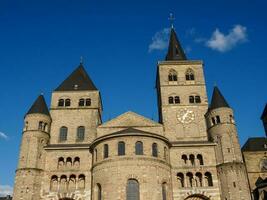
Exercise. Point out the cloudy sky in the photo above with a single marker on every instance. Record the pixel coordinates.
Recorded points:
(121, 41)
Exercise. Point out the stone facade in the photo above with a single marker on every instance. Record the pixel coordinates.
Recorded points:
(184, 156)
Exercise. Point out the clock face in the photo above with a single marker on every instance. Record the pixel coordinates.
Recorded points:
(185, 116)
(264, 164)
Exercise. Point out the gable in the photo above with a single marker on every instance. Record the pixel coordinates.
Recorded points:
(130, 119)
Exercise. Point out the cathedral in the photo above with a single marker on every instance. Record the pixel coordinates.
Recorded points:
(191, 153)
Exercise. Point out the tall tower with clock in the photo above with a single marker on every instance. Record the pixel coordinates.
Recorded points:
(182, 97)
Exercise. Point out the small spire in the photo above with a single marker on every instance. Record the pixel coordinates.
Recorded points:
(39, 106)
(217, 100)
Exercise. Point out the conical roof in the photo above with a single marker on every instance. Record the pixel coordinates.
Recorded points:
(218, 101)
(77, 80)
(39, 106)
(175, 50)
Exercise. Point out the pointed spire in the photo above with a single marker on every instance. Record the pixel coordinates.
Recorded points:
(39, 106)
(77, 80)
(218, 101)
(175, 50)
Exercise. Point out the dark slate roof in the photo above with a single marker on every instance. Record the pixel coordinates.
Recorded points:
(39, 106)
(264, 114)
(77, 80)
(255, 144)
(175, 51)
(217, 100)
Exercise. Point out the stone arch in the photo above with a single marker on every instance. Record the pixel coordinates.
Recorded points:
(197, 197)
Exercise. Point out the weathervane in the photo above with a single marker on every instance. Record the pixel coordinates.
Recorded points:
(171, 19)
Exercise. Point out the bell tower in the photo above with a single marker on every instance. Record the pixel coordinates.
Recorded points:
(181, 91)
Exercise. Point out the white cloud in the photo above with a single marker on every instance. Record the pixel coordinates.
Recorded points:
(160, 40)
(5, 190)
(222, 42)
(4, 136)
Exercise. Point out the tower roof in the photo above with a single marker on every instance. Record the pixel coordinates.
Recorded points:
(39, 106)
(175, 50)
(264, 114)
(218, 101)
(77, 80)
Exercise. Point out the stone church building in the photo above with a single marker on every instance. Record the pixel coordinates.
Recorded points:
(191, 153)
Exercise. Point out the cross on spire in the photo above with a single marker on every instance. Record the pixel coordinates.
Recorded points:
(81, 60)
(171, 19)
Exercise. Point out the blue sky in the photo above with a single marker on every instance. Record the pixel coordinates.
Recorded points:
(121, 42)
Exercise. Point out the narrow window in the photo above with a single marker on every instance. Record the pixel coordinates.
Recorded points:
(60, 102)
(189, 176)
(40, 127)
(191, 99)
(170, 100)
(88, 102)
(96, 155)
(164, 191)
(199, 179)
(177, 99)
(81, 102)
(139, 148)
(180, 177)
(154, 150)
(80, 133)
(213, 121)
(67, 102)
(197, 99)
(99, 192)
(132, 190)
(234, 184)
(200, 159)
(184, 158)
(208, 179)
(218, 120)
(192, 159)
(63, 133)
(105, 151)
(121, 148)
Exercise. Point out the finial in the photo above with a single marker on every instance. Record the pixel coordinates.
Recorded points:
(41, 93)
(215, 84)
(171, 19)
(81, 60)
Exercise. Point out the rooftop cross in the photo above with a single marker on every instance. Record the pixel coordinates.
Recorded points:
(171, 19)
(81, 60)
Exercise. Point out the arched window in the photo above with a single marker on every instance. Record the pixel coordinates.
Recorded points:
(176, 99)
(81, 181)
(191, 99)
(81, 102)
(72, 183)
(155, 150)
(63, 133)
(189, 177)
(208, 179)
(40, 127)
(132, 190)
(180, 177)
(218, 120)
(171, 101)
(60, 162)
(99, 191)
(60, 103)
(63, 183)
(105, 151)
(88, 102)
(164, 191)
(192, 159)
(198, 179)
(54, 183)
(139, 148)
(76, 162)
(69, 162)
(189, 75)
(67, 102)
(197, 99)
(200, 159)
(184, 158)
(121, 148)
(172, 75)
(80, 133)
